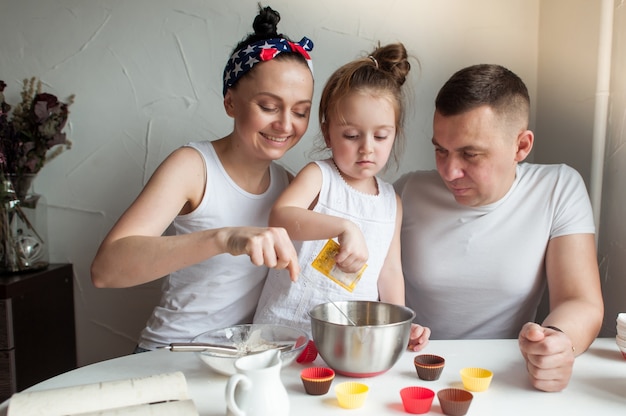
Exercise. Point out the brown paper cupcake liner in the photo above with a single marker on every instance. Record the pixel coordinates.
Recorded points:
(429, 366)
(317, 380)
(454, 402)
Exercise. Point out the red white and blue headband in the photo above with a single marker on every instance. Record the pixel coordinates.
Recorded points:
(242, 60)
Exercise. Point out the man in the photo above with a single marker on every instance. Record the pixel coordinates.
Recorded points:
(481, 238)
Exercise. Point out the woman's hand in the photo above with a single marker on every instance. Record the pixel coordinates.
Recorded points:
(269, 246)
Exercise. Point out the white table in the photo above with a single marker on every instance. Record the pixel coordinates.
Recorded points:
(597, 388)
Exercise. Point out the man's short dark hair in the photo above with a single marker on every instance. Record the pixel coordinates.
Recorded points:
(484, 84)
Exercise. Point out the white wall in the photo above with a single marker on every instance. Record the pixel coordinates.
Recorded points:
(568, 45)
(566, 99)
(147, 78)
(567, 67)
(612, 247)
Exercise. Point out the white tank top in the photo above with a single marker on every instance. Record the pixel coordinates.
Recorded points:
(223, 290)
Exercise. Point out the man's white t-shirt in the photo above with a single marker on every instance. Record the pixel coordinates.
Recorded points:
(479, 272)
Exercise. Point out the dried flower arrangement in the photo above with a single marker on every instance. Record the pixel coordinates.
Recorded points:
(33, 128)
(31, 135)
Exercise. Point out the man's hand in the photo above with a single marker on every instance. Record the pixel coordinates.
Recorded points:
(549, 356)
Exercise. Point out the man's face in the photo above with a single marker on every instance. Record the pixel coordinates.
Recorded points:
(476, 155)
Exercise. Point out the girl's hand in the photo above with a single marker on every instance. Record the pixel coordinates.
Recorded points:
(353, 253)
(418, 339)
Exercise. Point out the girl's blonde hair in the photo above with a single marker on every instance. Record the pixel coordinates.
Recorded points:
(382, 73)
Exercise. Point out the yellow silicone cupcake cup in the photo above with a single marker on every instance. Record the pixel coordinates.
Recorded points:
(351, 395)
(476, 379)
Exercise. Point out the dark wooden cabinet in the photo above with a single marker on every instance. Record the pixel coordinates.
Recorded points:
(37, 328)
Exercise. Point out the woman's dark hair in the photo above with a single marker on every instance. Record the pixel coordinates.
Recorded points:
(265, 27)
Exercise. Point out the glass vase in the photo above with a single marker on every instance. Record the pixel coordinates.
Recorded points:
(23, 225)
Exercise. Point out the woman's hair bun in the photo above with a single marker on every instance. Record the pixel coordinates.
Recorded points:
(266, 22)
(265, 27)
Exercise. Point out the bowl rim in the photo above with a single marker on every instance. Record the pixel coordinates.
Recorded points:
(344, 302)
(301, 335)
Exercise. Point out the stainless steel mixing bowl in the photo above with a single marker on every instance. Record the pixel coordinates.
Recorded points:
(370, 347)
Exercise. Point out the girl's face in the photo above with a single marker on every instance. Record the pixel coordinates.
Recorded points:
(361, 136)
(271, 108)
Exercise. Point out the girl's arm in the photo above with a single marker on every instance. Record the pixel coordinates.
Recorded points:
(293, 211)
(391, 278)
(391, 283)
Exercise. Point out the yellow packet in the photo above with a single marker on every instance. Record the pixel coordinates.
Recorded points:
(325, 264)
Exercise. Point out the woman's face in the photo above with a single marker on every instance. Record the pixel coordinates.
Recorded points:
(271, 107)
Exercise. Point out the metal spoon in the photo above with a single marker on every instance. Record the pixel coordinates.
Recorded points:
(221, 349)
(201, 346)
(325, 295)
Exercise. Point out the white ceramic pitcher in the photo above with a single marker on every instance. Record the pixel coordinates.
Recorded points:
(256, 389)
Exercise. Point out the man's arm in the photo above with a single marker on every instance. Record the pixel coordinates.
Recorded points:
(576, 312)
(576, 305)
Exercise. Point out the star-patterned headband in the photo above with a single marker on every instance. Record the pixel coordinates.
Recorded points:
(244, 59)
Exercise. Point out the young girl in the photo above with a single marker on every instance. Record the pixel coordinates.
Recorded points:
(218, 196)
(361, 113)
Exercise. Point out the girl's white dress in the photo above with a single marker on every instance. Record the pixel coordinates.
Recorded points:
(287, 303)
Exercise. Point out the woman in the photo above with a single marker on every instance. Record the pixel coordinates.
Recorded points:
(217, 194)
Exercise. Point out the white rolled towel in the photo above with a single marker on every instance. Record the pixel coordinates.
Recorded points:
(96, 397)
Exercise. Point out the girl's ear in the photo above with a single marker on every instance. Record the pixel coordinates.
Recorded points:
(324, 129)
(229, 105)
